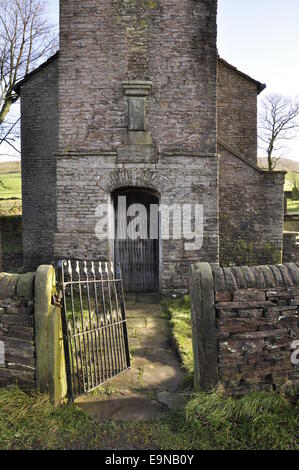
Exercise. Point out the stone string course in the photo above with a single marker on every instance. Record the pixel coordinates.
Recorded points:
(257, 320)
(17, 330)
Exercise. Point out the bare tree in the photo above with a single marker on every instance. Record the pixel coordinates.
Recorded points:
(277, 124)
(26, 38)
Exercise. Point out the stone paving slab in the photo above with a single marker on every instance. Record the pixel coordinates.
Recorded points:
(124, 407)
(153, 385)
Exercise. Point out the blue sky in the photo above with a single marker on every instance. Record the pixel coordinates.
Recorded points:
(261, 38)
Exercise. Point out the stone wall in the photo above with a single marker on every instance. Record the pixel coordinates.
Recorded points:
(39, 131)
(11, 243)
(170, 43)
(17, 330)
(251, 211)
(290, 246)
(237, 110)
(177, 180)
(253, 316)
(31, 344)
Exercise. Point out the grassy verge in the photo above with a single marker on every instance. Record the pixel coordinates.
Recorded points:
(209, 421)
(260, 421)
(178, 313)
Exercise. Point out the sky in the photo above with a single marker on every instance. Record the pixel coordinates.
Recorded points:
(259, 37)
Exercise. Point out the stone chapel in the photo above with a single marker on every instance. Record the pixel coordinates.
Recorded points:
(137, 102)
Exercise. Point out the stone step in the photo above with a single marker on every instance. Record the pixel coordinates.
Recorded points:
(143, 298)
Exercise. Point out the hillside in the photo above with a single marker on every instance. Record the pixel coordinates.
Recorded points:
(10, 167)
(284, 164)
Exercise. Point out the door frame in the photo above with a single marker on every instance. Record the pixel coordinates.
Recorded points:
(153, 192)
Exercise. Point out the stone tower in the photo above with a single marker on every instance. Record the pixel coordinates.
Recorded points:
(137, 109)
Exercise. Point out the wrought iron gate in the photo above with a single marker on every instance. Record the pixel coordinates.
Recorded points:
(94, 324)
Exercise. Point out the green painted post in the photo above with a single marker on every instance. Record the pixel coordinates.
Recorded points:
(50, 362)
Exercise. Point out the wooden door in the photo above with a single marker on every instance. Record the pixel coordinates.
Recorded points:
(139, 258)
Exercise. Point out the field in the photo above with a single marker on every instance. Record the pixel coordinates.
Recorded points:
(10, 216)
(10, 189)
(293, 206)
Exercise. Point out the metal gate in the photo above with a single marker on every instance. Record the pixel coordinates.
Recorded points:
(138, 258)
(94, 324)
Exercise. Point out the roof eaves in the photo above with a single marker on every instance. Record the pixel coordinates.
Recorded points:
(29, 75)
(260, 86)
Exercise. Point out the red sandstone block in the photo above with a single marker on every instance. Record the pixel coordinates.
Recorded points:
(244, 305)
(236, 325)
(249, 294)
(244, 346)
(223, 296)
(263, 334)
(226, 313)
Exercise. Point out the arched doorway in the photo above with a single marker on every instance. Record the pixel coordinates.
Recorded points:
(136, 240)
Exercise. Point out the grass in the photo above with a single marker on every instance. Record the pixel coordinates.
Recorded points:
(10, 186)
(260, 421)
(178, 313)
(10, 194)
(209, 421)
(293, 207)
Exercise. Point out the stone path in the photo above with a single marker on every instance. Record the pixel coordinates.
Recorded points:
(153, 385)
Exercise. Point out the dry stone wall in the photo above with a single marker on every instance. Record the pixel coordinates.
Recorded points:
(255, 327)
(31, 344)
(17, 358)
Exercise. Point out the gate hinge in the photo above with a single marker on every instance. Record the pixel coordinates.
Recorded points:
(57, 299)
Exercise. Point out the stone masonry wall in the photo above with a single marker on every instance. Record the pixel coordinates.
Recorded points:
(177, 180)
(257, 321)
(251, 212)
(39, 128)
(237, 110)
(245, 323)
(104, 44)
(11, 243)
(17, 356)
(169, 42)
